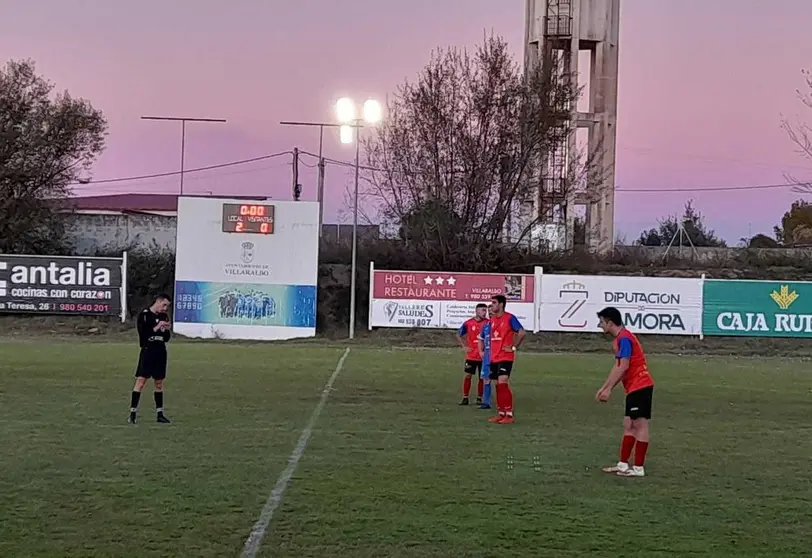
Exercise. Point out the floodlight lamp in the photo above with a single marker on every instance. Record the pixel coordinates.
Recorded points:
(346, 134)
(373, 112)
(345, 110)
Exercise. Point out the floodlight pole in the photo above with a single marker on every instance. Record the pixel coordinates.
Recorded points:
(183, 122)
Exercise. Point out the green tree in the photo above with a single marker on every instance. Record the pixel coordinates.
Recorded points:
(47, 142)
(796, 225)
(760, 241)
(693, 225)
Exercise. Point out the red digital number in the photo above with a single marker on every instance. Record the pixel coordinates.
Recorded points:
(240, 226)
(265, 228)
(252, 210)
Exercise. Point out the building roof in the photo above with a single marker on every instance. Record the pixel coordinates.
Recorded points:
(134, 202)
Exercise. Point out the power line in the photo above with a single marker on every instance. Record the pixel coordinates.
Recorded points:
(626, 190)
(176, 173)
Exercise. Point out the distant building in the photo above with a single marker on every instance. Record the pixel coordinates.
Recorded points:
(119, 220)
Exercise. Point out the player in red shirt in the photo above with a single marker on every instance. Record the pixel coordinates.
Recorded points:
(506, 335)
(468, 338)
(631, 369)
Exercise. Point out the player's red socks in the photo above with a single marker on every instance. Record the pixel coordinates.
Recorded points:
(626, 447)
(500, 398)
(504, 398)
(640, 454)
(466, 385)
(508, 400)
(480, 386)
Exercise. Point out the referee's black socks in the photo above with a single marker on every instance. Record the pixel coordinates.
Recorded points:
(159, 401)
(134, 399)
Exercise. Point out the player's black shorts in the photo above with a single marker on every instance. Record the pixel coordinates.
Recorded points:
(473, 366)
(638, 403)
(500, 369)
(151, 364)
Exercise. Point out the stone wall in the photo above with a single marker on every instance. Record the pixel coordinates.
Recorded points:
(92, 233)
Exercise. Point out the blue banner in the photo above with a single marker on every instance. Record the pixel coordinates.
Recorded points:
(203, 302)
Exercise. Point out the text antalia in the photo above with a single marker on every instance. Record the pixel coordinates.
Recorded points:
(83, 274)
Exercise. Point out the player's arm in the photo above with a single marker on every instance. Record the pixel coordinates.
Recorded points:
(461, 337)
(518, 330)
(480, 344)
(624, 353)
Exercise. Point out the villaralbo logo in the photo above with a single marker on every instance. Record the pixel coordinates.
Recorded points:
(779, 320)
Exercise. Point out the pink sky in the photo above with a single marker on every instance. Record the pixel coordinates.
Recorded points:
(703, 85)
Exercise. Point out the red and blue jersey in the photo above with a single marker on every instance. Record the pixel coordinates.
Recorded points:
(471, 330)
(627, 346)
(503, 329)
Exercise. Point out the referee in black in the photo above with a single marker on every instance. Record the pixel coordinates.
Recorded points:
(153, 335)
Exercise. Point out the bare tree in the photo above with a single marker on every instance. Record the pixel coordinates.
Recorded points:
(801, 135)
(460, 149)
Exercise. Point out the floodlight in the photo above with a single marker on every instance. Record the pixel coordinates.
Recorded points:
(373, 113)
(345, 110)
(346, 134)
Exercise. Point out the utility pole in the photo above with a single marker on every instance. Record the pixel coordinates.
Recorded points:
(297, 188)
(320, 187)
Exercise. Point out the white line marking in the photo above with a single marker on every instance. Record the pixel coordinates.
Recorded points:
(260, 528)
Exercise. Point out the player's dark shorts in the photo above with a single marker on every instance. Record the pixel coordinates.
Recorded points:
(638, 403)
(151, 364)
(501, 369)
(473, 366)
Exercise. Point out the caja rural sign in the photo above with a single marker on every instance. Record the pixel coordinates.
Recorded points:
(659, 305)
(62, 285)
(444, 300)
(757, 308)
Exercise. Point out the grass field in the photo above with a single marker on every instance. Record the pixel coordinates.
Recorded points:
(394, 468)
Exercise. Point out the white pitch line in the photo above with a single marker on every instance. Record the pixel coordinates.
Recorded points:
(260, 528)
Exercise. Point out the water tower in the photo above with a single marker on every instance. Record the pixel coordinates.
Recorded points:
(556, 33)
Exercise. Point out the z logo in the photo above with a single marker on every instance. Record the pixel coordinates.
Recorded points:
(577, 295)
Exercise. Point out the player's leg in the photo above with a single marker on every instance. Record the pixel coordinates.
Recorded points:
(504, 394)
(640, 415)
(626, 445)
(480, 384)
(467, 380)
(486, 392)
(494, 378)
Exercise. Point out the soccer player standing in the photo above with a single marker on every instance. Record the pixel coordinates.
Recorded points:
(153, 335)
(507, 334)
(468, 338)
(630, 368)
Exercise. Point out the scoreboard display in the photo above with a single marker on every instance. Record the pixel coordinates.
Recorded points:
(248, 218)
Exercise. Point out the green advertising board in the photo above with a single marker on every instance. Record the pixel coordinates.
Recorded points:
(757, 308)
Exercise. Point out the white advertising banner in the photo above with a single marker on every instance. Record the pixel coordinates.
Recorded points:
(416, 299)
(661, 305)
(246, 269)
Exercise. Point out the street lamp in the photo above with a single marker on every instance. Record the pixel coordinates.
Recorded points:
(346, 112)
(183, 122)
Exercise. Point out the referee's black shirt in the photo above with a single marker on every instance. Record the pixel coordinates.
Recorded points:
(148, 338)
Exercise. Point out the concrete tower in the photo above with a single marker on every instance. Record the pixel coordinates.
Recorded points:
(556, 32)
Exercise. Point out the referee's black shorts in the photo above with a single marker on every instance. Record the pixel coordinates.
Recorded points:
(152, 364)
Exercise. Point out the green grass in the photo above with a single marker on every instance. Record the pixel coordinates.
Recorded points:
(394, 467)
